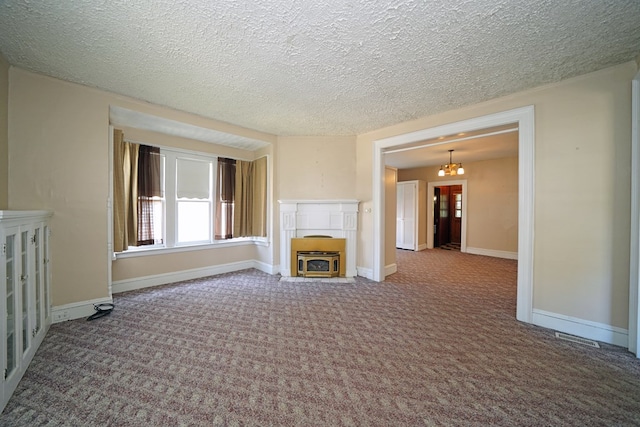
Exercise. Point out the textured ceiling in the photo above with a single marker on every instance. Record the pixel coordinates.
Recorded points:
(321, 67)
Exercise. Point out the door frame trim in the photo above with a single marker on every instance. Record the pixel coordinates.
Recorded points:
(634, 254)
(525, 118)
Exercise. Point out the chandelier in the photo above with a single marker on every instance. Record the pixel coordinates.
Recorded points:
(451, 168)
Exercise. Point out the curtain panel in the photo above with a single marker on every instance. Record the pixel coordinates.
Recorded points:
(125, 192)
(149, 186)
(259, 196)
(250, 208)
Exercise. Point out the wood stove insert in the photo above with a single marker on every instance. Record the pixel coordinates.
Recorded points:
(325, 250)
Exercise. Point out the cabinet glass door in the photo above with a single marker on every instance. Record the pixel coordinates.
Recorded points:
(46, 273)
(10, 304)
(24, 285)
(37, 280)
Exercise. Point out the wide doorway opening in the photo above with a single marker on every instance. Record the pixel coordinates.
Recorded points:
(523, 118)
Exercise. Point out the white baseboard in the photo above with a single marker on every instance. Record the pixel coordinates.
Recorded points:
(76, 310)
(390, 269)
(581, 328)
(421, 247)
(82, 309)
(365, 272)
(178, 276)
(492, 252)
(266, 268)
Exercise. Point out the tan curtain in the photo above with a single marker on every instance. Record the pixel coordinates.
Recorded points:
(259, 178)
(250, 206)
(131, 153)
(125, 192)
(119, 212)
(242, 200)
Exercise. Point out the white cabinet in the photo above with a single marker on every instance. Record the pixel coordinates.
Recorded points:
(411, 217)
(25, 302)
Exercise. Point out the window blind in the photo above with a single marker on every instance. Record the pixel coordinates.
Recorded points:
(193, 179)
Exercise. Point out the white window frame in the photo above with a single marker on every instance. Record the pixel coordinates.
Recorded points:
(174, 156)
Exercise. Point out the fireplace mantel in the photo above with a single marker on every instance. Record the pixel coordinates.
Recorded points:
(335, 218)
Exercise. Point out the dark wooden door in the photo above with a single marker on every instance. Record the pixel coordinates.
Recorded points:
(442, 228)
(455, 210)
(436, 217)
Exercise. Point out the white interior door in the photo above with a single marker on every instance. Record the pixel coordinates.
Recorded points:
(409, 238)
(399, 215)
(406, 216)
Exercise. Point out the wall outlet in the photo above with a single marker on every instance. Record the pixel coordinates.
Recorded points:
(60, 316)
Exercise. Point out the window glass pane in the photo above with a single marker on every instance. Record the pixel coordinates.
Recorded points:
(194, 221)
(25, 290)
(11, 358)
(158, 220)
(458, 201)
(163, 166)
(444, 206)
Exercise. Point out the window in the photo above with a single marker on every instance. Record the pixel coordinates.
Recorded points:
(444, 205)
(177, 198)
(193, 199)
(189, 206)
(458, 206)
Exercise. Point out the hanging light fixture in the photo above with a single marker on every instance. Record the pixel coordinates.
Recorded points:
(451, 168)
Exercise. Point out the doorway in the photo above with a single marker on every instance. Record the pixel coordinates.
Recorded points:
(524, 117)
(447, 217)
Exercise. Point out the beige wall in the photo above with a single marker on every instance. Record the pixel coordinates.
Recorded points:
(312, 168)
(131, 268)
(315, 168)
(58, 151)
(492, 200)
(364, 173)
(270, 255)
(582, 188)
(4, 133)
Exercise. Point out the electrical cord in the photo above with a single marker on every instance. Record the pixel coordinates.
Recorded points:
(101, 310)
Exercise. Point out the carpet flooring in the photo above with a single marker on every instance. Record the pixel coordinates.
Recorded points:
(427, 347)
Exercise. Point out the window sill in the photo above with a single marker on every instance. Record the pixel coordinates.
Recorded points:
(243, 241)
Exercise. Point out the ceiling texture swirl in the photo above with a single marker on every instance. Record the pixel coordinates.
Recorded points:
(322, 67)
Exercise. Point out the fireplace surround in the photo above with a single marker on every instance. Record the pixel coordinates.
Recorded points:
(337, 219)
